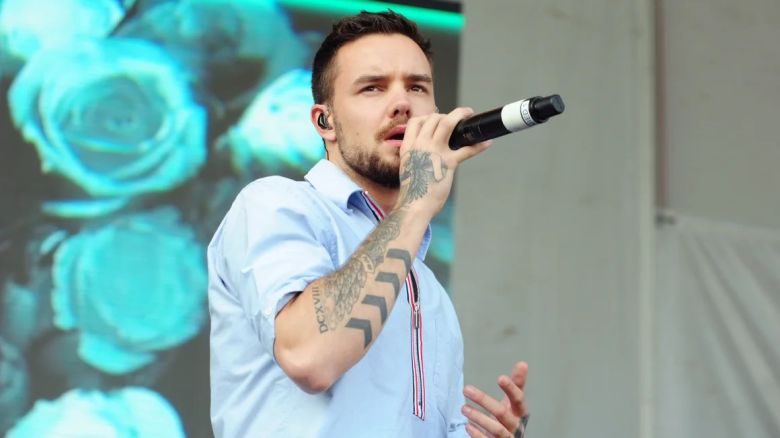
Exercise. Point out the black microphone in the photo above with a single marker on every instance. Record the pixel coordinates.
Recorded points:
(512, 117)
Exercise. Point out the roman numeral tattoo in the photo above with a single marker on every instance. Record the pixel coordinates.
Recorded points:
(335, 297)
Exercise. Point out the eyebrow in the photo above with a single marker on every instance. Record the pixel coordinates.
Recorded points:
(378, 78)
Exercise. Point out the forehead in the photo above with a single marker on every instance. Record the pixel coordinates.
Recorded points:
(379, 54)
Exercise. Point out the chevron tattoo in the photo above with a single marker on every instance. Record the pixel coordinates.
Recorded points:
(336, 296)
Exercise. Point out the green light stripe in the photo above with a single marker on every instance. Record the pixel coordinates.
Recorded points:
(429, 18)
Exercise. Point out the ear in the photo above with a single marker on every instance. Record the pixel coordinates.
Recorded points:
(327, 133)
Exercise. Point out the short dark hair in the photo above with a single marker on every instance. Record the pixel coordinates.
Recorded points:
(350, 29)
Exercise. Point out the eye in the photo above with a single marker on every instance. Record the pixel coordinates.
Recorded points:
(369, 89)
(418, 88)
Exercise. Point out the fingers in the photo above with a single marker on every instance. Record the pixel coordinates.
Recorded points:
(413, 127)
(447, 125)
(492, 426)
(467, 152)
(504, 420)
(519, 377)
(474, 431)
(514, 395)
(502, 417)
(429, 126)
(520, 374)
(433, 129)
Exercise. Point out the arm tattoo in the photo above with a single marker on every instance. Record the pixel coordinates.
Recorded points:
(336, 296)
(342, 290)
(380, 303)
(401, 255)
(373, 249)
(392, 279)
(319, 309)
(362, 324)
(417, 174)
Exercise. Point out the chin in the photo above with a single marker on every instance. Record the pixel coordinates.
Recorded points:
(394, 162)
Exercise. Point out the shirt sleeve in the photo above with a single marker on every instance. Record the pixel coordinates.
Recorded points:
(274, 245)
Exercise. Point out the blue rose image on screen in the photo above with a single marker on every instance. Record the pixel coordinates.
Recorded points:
(27, 28)
(131, 287)
(275, 130)
(13, 384)
(117, 119)
(216, 30)
(129, 128)
(133, 412)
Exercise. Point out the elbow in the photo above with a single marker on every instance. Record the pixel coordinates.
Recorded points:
(312, 384)
(301, 368)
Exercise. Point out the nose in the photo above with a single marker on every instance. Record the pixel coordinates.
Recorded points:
(400, 106)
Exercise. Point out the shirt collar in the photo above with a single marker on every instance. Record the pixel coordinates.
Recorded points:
(328, 179)
(333, 183)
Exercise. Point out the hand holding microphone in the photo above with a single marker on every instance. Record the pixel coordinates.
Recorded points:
(512, 117)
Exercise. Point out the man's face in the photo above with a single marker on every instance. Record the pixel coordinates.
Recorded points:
(380, 82)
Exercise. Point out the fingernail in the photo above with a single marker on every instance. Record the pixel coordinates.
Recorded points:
(466, 410)
(470, 391)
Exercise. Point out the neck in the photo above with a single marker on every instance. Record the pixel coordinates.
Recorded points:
(384, 196)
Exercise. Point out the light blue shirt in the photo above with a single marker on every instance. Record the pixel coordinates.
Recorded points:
(279, 236)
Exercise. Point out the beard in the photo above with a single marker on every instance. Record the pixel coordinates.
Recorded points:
(367, 164)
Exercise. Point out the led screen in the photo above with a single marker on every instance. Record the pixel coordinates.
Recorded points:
(127, 128)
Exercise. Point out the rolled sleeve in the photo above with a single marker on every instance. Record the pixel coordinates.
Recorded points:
(276, 245)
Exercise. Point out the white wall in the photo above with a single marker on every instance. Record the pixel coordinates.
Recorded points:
(720, 106)
(553, 226)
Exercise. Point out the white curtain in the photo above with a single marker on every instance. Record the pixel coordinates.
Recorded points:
(717, 331)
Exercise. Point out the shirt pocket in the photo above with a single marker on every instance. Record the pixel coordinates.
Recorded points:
(448, 368)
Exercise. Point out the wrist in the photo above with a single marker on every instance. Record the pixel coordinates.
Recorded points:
(418, 210)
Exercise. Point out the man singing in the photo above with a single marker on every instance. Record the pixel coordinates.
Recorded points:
(325, 322)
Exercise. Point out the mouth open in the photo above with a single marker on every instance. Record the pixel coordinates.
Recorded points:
(396, 135)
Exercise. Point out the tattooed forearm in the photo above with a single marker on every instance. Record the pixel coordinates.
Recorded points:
(391, 278)
(401, 255)
(373, 249)
(342, 290)
(380, 303)
(417, 174)
(362, 324)
(319, 310)
(336, 296)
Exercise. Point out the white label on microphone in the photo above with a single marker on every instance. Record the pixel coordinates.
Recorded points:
(517, 115)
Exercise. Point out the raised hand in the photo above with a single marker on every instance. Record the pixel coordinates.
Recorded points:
(506, 418)
(427, 163)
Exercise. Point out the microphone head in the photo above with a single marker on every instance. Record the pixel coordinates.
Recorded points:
(542, 108)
